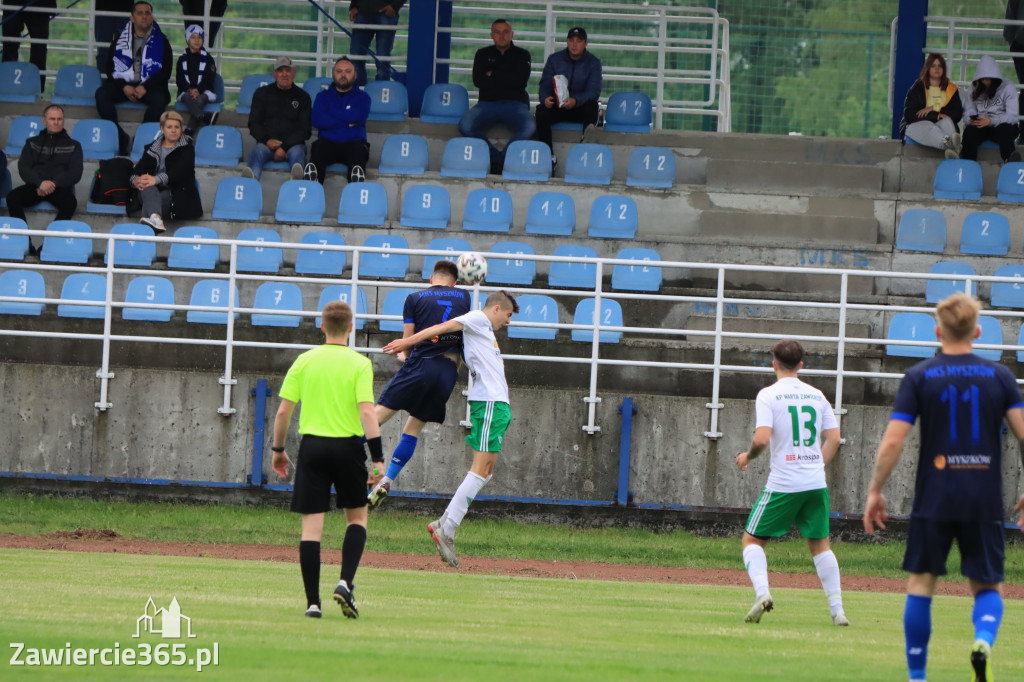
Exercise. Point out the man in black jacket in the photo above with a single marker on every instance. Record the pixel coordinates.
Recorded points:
(50, 166)
(280, 121)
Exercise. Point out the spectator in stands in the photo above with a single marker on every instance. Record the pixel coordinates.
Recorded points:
(932, 109)
(195, 75)
(579, 71)
(36, 18)
(279, 121)
(139, 69)
(340, 112)
(108, 27)
(196, 8)
(990, 112)
(1014, 36)
(382, 13)
(500, 72)
(165, 177)
(50, 166)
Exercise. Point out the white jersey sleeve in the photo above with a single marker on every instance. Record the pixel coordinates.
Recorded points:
(799, 413)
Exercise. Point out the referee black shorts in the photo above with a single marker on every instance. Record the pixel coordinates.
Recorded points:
(324, 462)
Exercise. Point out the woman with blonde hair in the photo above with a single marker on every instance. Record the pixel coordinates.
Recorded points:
(165, 177)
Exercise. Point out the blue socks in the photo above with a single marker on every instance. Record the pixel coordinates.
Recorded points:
(401, 456)
(987, 615)
(917, 628)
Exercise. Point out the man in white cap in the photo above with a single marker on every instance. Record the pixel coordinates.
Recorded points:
(280, 122)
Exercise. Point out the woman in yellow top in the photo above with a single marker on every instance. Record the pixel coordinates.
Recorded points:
(933, 109)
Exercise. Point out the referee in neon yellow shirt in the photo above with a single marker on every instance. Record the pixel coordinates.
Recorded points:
(335, 386)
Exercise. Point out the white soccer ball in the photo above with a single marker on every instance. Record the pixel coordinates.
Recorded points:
(472, 268)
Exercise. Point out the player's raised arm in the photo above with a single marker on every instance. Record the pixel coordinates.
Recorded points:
(428, 333)
(885, 461)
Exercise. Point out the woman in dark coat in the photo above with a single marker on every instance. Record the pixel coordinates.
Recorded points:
(165, 177)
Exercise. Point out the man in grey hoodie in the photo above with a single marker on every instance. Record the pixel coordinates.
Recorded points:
(990, 112)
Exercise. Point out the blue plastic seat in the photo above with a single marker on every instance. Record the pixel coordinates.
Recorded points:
(283, 296)
(211, 293)
(301, 201)
(259, 258)
(427, 206)
(573, 275)
(184, 256)
(342, 292)
(131, 253)
(452, 244)
(103, 209)
(238, 199)
(83, 286)
(444, 103)
(958, 179)
(910, 327)
(22, 284)
(628, 112)
(13, 246)
(488, 210)
(392, 265)
(394, 304)
(314, 86)
(637, 277)
(551, 213)
(651, 167)
(22, 128)
(323, 262)
(985, 234)
(19, 82)
(250, 84)
(209, 107)
(613, 217)
(589, 164)
(145, 134)
(1010, 186)
(538, 309)
(611, 315)
(921, 229)
(218, 146)
(97, 137)
(517, 271)
(465, 157)
(1008, 294)
(404, 155)
(149, 291)
(527, 160)
(363, 203)
(991, 332)
(938, 289)
(66, 249)
(1020, 342)
(389, 100)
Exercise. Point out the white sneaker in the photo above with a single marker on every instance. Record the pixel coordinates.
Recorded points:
(445, 544)
(297, 171)
(247, 172)
(357, 174)
(840, 620)
(313, 611)
(309, 172)
(154, 221)
(760, 607)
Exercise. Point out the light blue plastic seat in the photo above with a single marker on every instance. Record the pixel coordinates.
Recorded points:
(312, 262)
(1010, 186)
(1008, 294)
(938, 289)
(22, 128)
(184, 256)
(527, 160)
(13, 246)
(991, 332)
(551, 213)
(444, 103)
(314, 86)
(573, 275)
(534, 308)
(22, 284)
(342, 292)
(391, 265)
(363, 203)
(516, 271)
(83, 286)
(921, 229)
(394, 304)
(260, 258)
(985, 234)
(66, 249)
(465, 157)
(613, 217)
(427, 206)
(250, 84)
(211, 293)
(640, 277)
(97, 137)
(589, 164)
(238, 199)
(611, 315)
(452, 244)
(283, 296)
(145, 134)
(488, 210)
(218, 146)
(132, 254)
(301, 201)
(389, 100)
(910, 327)
(958, 179)
(1020, 342)
(404, 155)
(149, 291)
(19, 82)
(651, 167)
(209, 107)
(628, 112)
(103, 209)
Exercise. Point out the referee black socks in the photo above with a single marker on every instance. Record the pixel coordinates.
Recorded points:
(309, 562)
(352, 551)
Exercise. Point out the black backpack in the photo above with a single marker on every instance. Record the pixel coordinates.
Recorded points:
(113, 184)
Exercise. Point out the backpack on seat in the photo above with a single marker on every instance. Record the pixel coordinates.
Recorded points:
(112, 185)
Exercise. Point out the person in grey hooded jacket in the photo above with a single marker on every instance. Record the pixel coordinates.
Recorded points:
(990, 112)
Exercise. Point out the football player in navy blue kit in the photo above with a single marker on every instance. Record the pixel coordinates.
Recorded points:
(962, 400)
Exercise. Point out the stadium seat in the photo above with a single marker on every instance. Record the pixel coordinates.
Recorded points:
(985, 234)
(22, 284)
(259, 258)
(76, 85)
(651, 167)
(211, 293)
(637, 277)
(300, 201)
(250, 84)
(83, 286)
(589, 164)
(149, 291)
(551, 213)
(131, 253)
(921, 229)
(97, 137)
(184, 256)
(342, 292)
(145, 134)
(958, 179)
(283, 296)
(1010, 186)
(488, 210)
(611, 315)
(573, 275)
(209, 107)
(613, 217)
(910, 327)
(19, 82)
(518, 271)
(444, 103)
(1008, 294)
(628, 112)
(1020, 341)
(404, 155)
(314, 262)
(527, 160)
(453, 244)
(363, 203)
(103, 209)
(389, 100)
(427, 206)
(218, 146)
(392, 265)
(465, 157)
(66, 249)
(394, 304)
(13, 246)
(238, 199)
(314, 86)
(938, 289)
(22, 128)
(991, 332)
(534, 308)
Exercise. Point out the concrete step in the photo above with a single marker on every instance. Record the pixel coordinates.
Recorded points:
(766, 175)
(794, 228)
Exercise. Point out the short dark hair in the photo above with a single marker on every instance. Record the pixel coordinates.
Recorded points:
(447, 269)
(344, 58)
(788, 353)
(337, 318)
(52, 106)
(142, 2)
(500, 21)
(504, 299)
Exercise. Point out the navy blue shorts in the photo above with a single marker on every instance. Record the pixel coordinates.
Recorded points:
(324, 462)
(421, 387)
(980, 543)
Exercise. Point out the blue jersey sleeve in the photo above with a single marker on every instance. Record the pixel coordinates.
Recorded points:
(907, 407)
